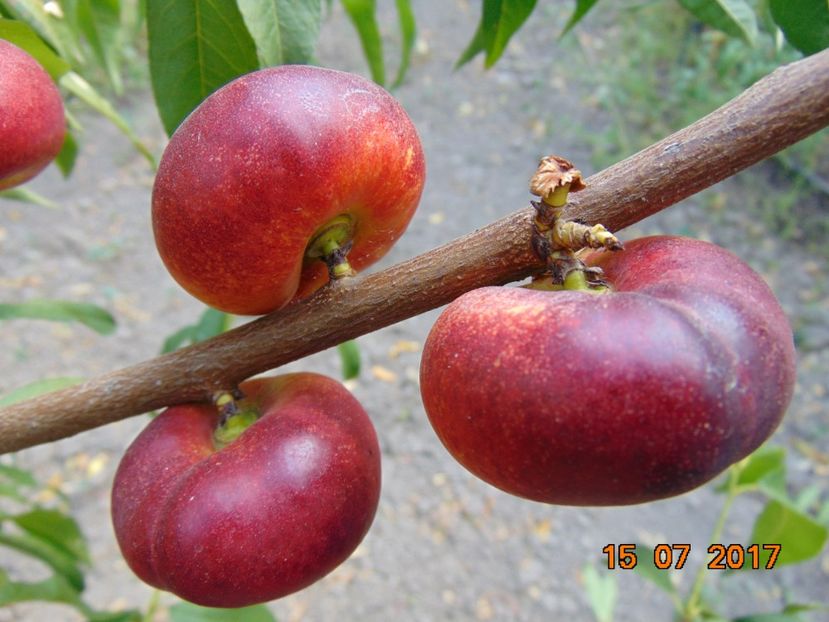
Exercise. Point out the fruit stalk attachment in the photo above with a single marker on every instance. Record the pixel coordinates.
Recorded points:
(331, 244)
(556, 239)
(233, 418)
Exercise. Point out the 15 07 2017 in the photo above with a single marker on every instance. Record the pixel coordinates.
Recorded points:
(723, 556)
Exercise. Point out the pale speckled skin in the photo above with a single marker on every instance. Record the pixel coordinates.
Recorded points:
(269, 514)
(32, 123)
(267, 160)
(627, 397)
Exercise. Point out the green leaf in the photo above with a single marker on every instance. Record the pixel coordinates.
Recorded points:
(500, 19)
(513, 15)
(211, 323)
(799, 535)
(57, 32)
(764, 463)
(24, 37)
(33, 546)
(362, 14)
(187, 612)
(408, 34)
(56, 528)
(54, 589)
(601, 593)
(582, 8)
(350, 359)
(84, 91)
(24, 195)
(647, 570)
(804, 22)
(21, 478)
(100, 22)
(474, 47)
(809, 497)
(790, 613)
(38, 387)
(131, 615)
(10, 492)
(68, 154)
(734, 17)
(285, 31)
(94, 317)
(181, 337)
(195, 47)
(823, 514)
(15, 482)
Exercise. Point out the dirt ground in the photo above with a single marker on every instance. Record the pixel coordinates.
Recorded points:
(444, 545)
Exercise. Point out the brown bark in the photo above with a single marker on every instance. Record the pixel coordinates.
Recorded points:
(778, 111)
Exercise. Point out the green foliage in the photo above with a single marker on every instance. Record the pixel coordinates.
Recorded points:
(24, 195)
(804, 22)
(648, 571)
(210, 323)
(764, 465)
(51, 536)
(408, 32)
(500, 19)
(83, 90)
(194, 48)
(582, 8)
(363, 14)
(790, 613)
(799, 525)
(350, 359)
(734, 17)
(24, 37)
(56, 528)
(45, 33)
(653, 85)
(784, 520)
(99, 22)
(284, 31)
(801, 537)
(14, 482)
(601, 593)
(187, 612)
(69, 153)
(96, 318)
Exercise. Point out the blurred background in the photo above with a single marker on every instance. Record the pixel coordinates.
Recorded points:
(444, 545)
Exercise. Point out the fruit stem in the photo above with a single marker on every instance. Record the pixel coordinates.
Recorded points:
(331, 244)
(576, 280)
(233, 418)
(152, 606)
(555, 239)
(558, 197)
(692, 605)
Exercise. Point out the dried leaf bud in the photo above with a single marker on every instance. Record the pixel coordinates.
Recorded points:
(555, 172)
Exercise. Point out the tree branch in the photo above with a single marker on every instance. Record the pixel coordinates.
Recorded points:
(778, 111)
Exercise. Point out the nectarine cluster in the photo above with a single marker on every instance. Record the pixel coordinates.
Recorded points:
(621, 377)
(276, 182)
